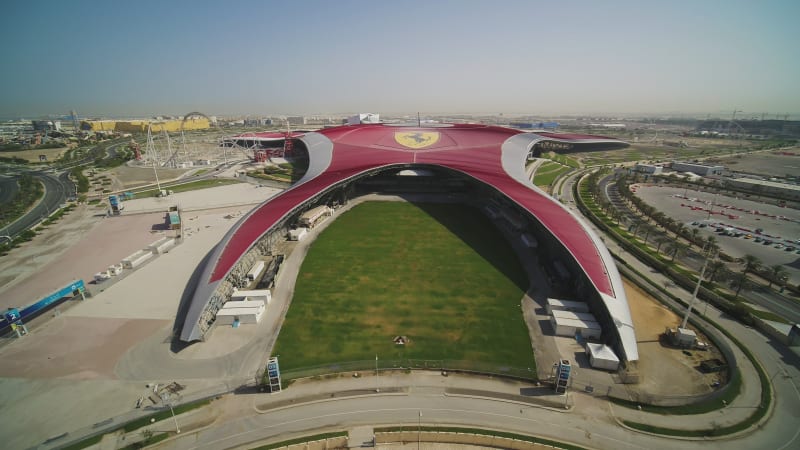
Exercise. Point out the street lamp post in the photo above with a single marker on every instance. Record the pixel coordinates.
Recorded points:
(377, 388)
(696, 290)
(419, 428)
(166, 398)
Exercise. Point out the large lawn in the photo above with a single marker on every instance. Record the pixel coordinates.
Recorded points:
(439, 274)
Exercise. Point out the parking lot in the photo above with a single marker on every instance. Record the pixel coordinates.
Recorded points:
(747, 226)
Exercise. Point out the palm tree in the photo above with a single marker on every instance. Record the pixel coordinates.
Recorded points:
(740, 281)
(695, 233)
(751, 263)
(711, 244)
(668, 223)
(777, 271)
(675, 248)
(661, 241)
(647, 230)
(659, 218)
(714, 269)
(679, 229)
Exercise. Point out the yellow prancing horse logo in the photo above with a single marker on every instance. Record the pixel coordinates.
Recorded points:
(416, 139)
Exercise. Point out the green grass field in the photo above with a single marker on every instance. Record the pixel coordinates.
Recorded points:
(439, 274)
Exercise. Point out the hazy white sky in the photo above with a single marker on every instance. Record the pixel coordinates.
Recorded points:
(307, 57)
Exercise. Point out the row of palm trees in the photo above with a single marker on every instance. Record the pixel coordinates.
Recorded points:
(651, 219)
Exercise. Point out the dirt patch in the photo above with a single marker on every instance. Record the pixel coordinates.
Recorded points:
(137, 176)
(665, 370)
(75, 348)
(52, 154)
(76, 247)
(649, 316)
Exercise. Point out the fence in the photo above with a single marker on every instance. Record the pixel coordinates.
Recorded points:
(448, 365)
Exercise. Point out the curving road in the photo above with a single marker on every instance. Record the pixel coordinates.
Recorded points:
(55, 194)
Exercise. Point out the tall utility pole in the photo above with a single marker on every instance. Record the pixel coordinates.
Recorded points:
(696, 290)
(419, 428)
(377, 389)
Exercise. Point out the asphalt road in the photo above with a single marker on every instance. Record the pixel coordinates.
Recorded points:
(55, 194)
(8, 187)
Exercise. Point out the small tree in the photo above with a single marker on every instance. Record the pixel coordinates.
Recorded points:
(715, 270)
(675, 248)
(777, 272)
(661, 241)
(751, 264)
(740, 281)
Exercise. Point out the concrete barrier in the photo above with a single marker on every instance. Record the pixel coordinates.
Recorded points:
(445, 437)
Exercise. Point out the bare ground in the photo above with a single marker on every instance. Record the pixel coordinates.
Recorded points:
(75, 348)
(664, 370)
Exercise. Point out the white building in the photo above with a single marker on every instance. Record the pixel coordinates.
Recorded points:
(554, 304)
(699, 169)
(602, 357)
(364, 118)
(651, 169)
(570, 327)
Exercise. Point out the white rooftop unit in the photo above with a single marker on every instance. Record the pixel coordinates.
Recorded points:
(162, 245)
(684, 337)
(255, 271)
(602, 357)
(255, 294)
(554, 304)
(364, 118)
(241, 315)
(588, 317)
(571, 327)
(310, 217)
(136, 259)
(243, 304)
(298, 234)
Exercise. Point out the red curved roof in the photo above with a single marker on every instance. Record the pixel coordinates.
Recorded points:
(472, 149)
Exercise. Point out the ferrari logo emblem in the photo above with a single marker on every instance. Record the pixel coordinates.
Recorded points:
(416, 139)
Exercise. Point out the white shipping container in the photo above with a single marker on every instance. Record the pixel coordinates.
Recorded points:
(571, 327)
(162, 245)
(241, 304)
(243, 315)
(255, 271)
(138, 261)
(602, 357)
(257, 294)
(586, 317)
(554, 304)
(297, 234)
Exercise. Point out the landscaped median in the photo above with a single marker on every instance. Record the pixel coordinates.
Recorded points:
(147, 438)
(587, 206)
(463, 436)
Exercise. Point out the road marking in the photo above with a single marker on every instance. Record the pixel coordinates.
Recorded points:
(384, 410)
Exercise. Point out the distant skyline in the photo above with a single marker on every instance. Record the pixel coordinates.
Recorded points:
(316, 57)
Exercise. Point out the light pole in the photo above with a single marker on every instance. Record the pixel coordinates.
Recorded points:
(166, 398)
(419, 428)
(377, 389)
(696, 289)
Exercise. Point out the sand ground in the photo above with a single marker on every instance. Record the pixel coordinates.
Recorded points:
(665, 370)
